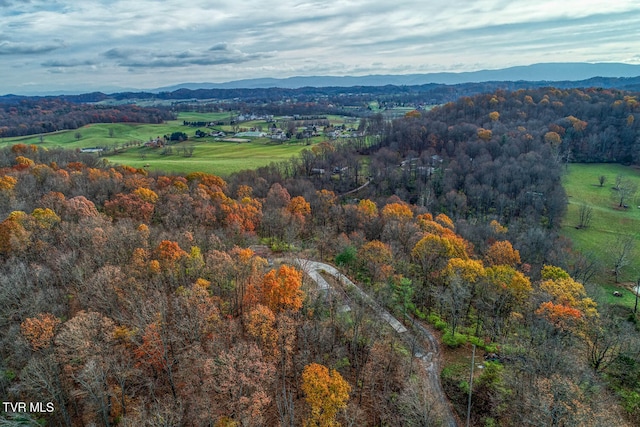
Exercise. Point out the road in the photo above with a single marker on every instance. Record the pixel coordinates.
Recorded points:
(426, 348)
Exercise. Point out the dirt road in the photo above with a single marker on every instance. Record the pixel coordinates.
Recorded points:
(425, 345)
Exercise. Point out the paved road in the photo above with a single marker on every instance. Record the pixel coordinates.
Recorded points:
(425, 345)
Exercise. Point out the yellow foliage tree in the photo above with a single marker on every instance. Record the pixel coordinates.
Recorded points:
(376, 257)
(469, 270)
(7, 183)
(570, 293)
(326, 392)
(367, 208)
(45, 218)
(445, 221)
(397, 211)
(485, 134)
(505, 278)
(147, 195)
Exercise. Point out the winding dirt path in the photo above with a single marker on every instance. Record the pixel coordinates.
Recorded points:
(425, 345)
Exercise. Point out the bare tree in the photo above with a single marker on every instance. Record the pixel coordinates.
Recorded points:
(624, 190)
(585, 215)
(607, 338)
(621, 252)
(420, 406)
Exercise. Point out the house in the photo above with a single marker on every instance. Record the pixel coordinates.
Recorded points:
(91, 150)
(317, 171)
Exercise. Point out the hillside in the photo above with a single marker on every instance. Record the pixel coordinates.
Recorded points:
(134, 295)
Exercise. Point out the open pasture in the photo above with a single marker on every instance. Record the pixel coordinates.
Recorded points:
(609, 221)
(216, 157)
(209, 155)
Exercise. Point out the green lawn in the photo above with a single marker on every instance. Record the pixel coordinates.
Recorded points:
(221, 158)
(582, 187)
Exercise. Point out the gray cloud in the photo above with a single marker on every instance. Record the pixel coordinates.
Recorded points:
(151, 58)
(219, 47)
(221, 41)
(68, 63)
(21, 48)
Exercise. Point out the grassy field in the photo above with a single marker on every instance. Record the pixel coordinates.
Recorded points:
(217, 157)
(609, 222)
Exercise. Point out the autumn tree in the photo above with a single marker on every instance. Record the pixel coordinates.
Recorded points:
(376, 258)
(326, 392)
(244, 270)
(260, 324)
(280, 290)
(129, 206)
(397, 212)
(567, 304)
(552, 138)
(506, 291)
(169, 253)
(14, 233)
(502, 253)
(240, 378)
(432, 252)
(485, 134)
(462, 277)
(40, 330)
(83, 346)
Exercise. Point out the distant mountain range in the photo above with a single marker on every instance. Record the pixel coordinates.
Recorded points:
(434, 88)
(551, 72)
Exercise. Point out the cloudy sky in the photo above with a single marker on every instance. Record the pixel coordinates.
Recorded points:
(109, 44)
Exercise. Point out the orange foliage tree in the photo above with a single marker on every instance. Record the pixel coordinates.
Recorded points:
(169, 252)
(279, 290)
(260, 324)
(129, 206)
(567, 300)
(552, 138)
(152, 351)
(502, 253)
(40, 330)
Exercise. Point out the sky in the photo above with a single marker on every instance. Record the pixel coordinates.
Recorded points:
(108, 45)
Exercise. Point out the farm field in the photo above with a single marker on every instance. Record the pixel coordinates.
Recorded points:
(219, 158)
(209, 155)
(609, 222)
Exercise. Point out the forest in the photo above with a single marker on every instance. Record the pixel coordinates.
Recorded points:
(137, 298)
(32, 116)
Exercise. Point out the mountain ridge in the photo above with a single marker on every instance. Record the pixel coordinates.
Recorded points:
(552, 72)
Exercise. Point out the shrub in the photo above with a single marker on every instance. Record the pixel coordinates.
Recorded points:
(454, 340)
(437, 322)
